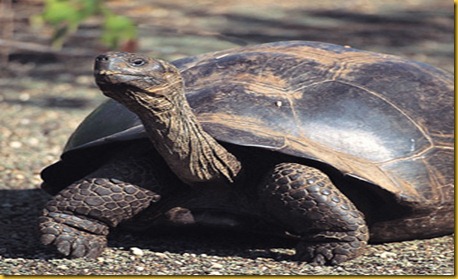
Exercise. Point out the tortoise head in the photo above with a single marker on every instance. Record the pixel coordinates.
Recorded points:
(134, 79)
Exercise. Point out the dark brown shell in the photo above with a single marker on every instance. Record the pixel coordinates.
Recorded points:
(377, 117)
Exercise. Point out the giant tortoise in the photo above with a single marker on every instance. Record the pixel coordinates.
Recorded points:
(331, 144)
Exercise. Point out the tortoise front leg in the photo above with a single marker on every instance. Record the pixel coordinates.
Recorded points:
(78, 218)
(306, 202)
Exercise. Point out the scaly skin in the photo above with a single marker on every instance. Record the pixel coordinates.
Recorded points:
(304, 199)
(77, 220)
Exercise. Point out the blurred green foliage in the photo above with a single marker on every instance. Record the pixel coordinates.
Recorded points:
(66, 15)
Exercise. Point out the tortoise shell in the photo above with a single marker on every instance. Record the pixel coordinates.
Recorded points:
(375, 117)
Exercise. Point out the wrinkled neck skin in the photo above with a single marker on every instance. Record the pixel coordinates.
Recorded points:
(192, 154)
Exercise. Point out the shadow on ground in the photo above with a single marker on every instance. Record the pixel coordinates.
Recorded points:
(19, 210)
(20, 238)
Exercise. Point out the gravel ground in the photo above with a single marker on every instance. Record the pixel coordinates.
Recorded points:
(44, 96)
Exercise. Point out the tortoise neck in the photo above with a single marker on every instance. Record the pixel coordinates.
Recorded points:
(192, 154)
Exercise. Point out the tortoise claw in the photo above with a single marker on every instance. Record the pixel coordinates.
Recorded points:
(332, 253)
(70, 241)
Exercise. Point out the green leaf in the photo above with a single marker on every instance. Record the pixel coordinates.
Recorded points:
(66, 15)
(116, 29)
(57, 12)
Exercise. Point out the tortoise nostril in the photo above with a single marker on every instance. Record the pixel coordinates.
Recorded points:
(102, 58)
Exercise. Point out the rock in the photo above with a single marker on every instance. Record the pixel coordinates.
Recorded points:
(137, 251)
(217, 265)
(161, 255)
(387, 254)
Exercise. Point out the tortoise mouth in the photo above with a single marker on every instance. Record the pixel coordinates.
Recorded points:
(111, 77)
(104, 72)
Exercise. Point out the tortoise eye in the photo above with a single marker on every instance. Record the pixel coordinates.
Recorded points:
(138, 62)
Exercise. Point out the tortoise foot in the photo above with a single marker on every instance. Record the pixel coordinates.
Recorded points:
(73, 236)
(332, 252)
(304, 200)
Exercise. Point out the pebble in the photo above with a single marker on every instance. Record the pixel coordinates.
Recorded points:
(137, 251)
(386, 254)
(33, 141)
(16, 144)
(161, 255)
(24, 97)
(217, 265)
(25, 121)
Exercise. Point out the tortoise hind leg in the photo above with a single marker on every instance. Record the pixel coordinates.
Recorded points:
(306, 202)
(78, 218)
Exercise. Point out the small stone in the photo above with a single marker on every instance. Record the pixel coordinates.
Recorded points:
(386, 254)
(25, 121)
(215, 273)
(33, 141)
(63, 267)
(139, 268)
(161, 255)
(24, 97)
(16, 144)
(136, 251)
(217, 265)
